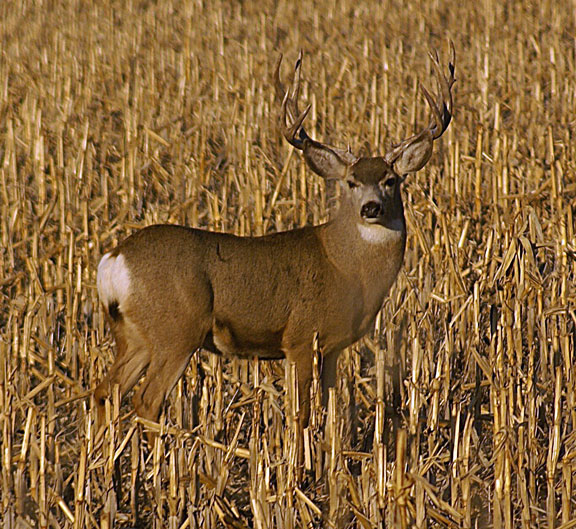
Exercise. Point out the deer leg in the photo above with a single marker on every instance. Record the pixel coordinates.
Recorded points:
(329, 380)
(163, 373)
(304, 374)
(131, 359)
(303, 364)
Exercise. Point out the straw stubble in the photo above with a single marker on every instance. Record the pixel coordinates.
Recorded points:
(115, 115)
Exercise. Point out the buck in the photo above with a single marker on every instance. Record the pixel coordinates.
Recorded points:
(169, 290)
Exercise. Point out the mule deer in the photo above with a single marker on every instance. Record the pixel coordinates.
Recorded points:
(169, 290)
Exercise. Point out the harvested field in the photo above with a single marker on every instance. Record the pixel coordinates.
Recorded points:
(117, 115)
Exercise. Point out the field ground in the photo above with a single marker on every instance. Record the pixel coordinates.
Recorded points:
(117, 115)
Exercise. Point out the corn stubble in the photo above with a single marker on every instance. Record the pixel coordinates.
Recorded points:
(119, 115)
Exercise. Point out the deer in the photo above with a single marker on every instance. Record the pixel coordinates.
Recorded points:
(169, 290)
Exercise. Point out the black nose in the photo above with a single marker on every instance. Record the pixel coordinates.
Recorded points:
(371, 210)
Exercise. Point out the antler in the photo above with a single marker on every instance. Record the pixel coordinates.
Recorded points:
(441, 117)
(441, 108)
(294, 132)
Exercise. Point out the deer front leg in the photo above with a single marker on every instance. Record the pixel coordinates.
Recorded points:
(303, 364)
(302, 361)
(329, 380)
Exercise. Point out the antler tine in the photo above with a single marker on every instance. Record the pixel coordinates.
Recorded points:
(282, 94)
(438, 118)
(442, 108)
(294, 133)
(296, 84)
(279, 88)
(452, 58)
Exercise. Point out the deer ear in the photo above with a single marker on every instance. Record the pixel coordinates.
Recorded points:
(324, 160)
(414, 156)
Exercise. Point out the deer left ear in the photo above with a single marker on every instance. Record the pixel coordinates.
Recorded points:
(415, 155)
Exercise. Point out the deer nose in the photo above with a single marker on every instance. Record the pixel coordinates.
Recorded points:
(371, 210)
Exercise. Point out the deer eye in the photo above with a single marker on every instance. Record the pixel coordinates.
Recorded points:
(352, 184)
(390, 182)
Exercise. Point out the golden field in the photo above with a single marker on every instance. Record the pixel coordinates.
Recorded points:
(118, 115)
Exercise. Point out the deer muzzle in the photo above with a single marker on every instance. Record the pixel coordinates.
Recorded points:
(371, 210)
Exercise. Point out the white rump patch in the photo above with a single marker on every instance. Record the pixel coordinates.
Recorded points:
(378, 234)
(113, 280)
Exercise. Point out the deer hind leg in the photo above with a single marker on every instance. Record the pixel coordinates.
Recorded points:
(132, 357)
(171, 354)
(163, 373)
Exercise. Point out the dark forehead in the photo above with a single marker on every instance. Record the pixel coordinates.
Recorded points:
(370, 170)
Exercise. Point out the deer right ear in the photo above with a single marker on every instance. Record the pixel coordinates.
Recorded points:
(324, 161)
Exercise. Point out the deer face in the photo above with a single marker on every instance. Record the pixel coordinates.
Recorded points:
(373, 189)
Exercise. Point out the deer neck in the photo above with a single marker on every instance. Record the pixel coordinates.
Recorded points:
(372, 252)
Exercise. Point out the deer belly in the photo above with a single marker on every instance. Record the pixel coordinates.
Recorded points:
(230, 341)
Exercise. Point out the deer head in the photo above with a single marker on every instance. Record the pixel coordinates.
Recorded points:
(372, 190)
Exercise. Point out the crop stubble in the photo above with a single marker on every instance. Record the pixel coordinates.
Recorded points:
(118, 115)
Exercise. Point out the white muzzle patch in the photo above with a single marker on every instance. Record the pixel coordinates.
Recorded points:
(378, 234)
